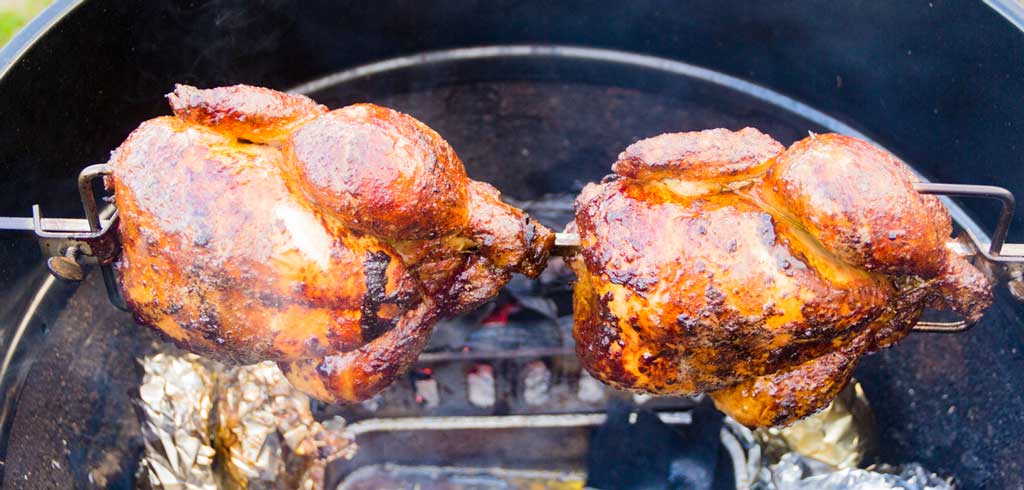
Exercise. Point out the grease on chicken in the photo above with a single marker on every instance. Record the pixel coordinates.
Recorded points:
(717, 261)
(258, 225)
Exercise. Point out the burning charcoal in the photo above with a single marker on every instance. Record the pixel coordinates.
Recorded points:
(533, 295)
(642, 398)
(536, 383)
(427, 393)
(545, 307)
(480, 386)
(840, 435)
(176, 402)
(451, 334)
(590, 390)
(796, 472)
(373, 404)
(557, 276)
(515, 335)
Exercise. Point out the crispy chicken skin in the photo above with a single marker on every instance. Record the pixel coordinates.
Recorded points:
(380, 172)
(241, 111)
(720, 262)
(259, 225)
(219, 254)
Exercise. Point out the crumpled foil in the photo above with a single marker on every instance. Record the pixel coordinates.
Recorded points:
(208, 426)
(822, 452)
(266, 433)
(796, 472)
(840, 435)
(176, 403)
(750, 469)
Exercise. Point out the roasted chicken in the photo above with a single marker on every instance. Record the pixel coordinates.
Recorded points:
(258, 225)
(720, 262)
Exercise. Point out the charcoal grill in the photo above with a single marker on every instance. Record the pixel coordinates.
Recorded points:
(537, 99)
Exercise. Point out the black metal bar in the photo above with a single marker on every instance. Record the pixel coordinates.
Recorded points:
(113, 290)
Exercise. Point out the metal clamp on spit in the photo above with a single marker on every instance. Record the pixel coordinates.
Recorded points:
(70, 243)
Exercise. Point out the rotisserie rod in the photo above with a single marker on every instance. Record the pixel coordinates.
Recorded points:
(257, 225)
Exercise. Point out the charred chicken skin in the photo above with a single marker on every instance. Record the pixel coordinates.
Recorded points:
(260, 225)
(720, 262)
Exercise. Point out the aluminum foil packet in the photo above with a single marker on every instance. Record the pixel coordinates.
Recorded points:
(208, 426)
(796, 472)
(266, 434)
(840, 435)
(176, 404)
(822, 452)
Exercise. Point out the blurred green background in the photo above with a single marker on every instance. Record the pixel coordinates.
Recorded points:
(15, 13)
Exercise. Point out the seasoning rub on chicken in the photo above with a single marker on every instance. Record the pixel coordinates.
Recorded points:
(720, 262)
(258, 225)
